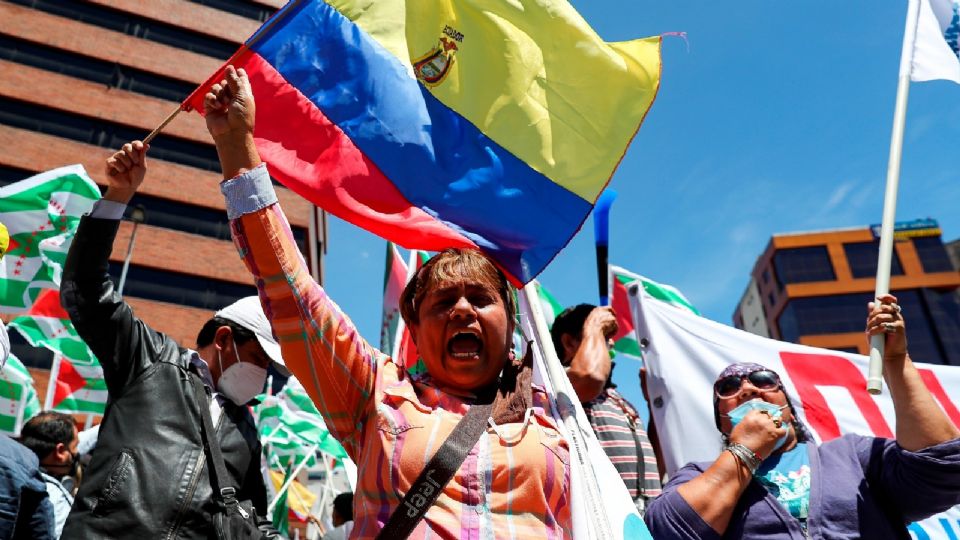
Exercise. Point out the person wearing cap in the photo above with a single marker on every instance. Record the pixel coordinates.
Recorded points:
(773, 481)
(150, 474)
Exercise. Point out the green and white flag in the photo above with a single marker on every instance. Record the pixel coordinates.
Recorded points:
(394, 280)
(18, 398)
(77, 376)
(291, 424)
(41, 214)
(625, 341)
(551, 309)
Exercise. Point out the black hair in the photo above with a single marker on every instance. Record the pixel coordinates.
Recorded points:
(43, 432)
(569, 321)
(241, 334)
(343, 505)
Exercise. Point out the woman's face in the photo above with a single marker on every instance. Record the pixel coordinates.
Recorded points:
(462, 333)
(747, 393)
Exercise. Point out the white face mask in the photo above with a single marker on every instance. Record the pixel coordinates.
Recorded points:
(242, 381)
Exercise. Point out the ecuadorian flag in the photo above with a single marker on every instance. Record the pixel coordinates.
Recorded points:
(447, 123)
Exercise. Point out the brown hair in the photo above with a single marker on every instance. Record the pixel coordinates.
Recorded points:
(514, 394)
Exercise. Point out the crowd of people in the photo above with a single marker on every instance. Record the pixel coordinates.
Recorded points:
(468, 448)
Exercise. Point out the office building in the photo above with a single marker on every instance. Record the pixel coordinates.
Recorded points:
(78, 80)
(813, 288)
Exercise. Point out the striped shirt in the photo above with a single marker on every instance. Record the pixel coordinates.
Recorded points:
(515, 481)
(621, 434)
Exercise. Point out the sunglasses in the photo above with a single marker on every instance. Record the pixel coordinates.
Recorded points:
(763, 379)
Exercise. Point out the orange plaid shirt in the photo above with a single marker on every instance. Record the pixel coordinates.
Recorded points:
(515, 481)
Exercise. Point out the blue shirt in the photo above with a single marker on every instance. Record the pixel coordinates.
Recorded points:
(787, 477)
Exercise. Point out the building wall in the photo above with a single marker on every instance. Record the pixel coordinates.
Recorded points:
(79, 79)
(839, 286)
(750, 315)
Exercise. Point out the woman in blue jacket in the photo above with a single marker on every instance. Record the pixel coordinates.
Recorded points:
(773, 481)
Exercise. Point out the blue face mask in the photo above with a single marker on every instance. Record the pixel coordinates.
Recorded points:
(736, 415)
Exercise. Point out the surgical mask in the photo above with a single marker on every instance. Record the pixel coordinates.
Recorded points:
(242, 381)
(739, 412)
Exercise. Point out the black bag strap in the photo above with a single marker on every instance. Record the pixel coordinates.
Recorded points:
(439, 470)
(218, 473)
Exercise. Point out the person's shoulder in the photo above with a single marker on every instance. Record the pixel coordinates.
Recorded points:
(17, 454)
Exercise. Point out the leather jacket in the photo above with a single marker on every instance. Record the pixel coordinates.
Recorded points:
(148, 477)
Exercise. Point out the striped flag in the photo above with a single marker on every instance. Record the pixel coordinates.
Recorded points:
(291, 424)
(491, 125)
(625, 341)
(18, 397)
(294, 505)
(394, 279)
(79, 386)
(400, 346)
(41, 214)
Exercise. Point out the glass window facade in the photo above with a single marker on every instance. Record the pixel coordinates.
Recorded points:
(862, 258)
(932, 253)
(801, 265)
(933, 321)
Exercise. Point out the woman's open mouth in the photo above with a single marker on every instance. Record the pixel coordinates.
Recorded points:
(464, 346)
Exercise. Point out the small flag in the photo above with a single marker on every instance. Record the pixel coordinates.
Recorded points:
(18, 398)
(488, 125)
(291, 425)
(298, 500)
(936, 47)
(41, 214)
(625, 342)
(79, 386)
(394, 280)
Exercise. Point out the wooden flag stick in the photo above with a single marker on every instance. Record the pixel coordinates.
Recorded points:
(156, 131)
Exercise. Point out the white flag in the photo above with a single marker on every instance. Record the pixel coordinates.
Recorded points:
(685, 353)
(936, 46)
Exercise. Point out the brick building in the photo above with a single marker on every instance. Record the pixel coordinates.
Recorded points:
(812, 288)
(79, 79)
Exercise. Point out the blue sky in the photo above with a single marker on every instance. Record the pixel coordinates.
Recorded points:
(777, 119)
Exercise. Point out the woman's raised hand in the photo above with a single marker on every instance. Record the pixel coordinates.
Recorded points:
(759, 432)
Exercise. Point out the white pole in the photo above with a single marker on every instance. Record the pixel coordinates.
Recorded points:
(89, 423)
(52, 383)
(557, 377)
(24, 393)
(126, 260)
(290, 477)
(875, 373)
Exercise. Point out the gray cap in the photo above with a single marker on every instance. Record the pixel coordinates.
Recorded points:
(247, 313)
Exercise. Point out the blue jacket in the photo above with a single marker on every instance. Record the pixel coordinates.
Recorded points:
(25, 509)
(860, 487)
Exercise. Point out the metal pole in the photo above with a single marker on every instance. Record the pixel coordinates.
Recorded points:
(875, 372)
(138, 215)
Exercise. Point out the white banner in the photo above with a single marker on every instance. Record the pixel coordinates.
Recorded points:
(684, 354)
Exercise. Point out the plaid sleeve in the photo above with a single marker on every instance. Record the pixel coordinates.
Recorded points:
(320, 345)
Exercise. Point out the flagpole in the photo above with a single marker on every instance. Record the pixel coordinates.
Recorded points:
(557, 378)
(52, 383)
(18, 420)
(601, 232)
(875, 371)
(290, 477)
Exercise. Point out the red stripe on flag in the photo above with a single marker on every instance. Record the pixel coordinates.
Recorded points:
(48, 305)
(620, 303)
(68, 382)
(321, 164)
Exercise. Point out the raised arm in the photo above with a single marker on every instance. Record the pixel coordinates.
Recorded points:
(921, 423)
(104, 321)
(319, 343)
(590, 367)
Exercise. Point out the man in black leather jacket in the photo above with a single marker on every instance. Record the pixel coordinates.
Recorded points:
(149, 476)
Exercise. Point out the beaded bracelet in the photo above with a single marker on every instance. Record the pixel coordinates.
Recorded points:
(750, 459)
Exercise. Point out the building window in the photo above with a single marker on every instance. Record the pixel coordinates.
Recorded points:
(771, 299)
(182, 289)
(932, 254)
(846, 313)
(802, 265)
(766, 276)
(862, 258)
